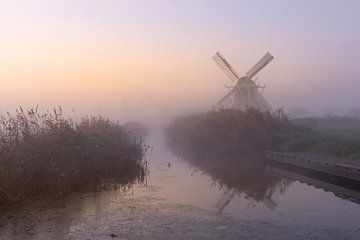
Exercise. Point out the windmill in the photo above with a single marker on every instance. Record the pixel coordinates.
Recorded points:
(245, 93)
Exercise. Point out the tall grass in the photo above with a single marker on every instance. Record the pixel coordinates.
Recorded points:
(226, 132)
(49, 155)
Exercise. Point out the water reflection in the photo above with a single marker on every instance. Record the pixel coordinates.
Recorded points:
(60, 219)
(236, 176)
(256, 181)
(338, 190)
(245, 189)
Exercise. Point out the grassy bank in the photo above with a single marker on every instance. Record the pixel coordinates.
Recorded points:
(334, 135)
(47, 155)
(248, 134)
(342, 143)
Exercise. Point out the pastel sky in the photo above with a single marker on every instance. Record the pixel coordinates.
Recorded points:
(101, 57)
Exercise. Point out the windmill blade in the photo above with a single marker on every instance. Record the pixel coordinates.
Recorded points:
(224, 201)
(269, 203)
(226, 67)
(259, 65)
(224, 99)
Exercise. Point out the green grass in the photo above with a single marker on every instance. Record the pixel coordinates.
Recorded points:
(350, 134)
(337, 142)
(345, 143)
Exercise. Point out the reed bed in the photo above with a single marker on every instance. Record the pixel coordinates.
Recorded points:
(226, 132)
(46, 155)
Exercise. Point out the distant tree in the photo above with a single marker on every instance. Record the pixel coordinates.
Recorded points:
(330, 115)
(353, 113)
(297, 113)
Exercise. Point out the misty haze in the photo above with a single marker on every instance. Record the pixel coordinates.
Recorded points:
(176, 119)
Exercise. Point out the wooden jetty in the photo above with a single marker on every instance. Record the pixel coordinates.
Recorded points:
(333, 166)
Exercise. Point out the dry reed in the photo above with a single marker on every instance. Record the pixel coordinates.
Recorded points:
(47, 155)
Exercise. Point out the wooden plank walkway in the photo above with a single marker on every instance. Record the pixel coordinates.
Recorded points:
(331, 165)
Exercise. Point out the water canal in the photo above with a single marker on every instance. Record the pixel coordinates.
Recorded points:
(181, 201)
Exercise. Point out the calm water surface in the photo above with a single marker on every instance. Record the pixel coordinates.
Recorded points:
(302, 202)
(280, 197)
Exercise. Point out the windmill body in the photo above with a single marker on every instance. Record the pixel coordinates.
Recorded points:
(245, 93)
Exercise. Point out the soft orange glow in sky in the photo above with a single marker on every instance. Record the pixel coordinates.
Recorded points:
(104, 57)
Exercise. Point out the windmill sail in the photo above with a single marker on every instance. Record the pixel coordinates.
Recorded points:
(259, 65)
(245, 94)
(226, 67)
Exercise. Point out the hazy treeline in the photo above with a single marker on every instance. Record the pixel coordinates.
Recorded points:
(227, 132)
(49, 155)
(248, 134)
(329, 123)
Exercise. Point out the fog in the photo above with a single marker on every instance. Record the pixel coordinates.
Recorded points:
(118, 141)
(149, 60)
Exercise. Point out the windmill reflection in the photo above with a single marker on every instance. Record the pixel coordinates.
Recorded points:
(239, 176)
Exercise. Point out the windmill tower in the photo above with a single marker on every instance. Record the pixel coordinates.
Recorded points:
(245, 93)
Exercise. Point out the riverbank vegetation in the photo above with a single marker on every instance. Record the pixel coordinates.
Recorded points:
(46, 155)
(249, 134)
(339, 136)
(229, 145)
(226, 132)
